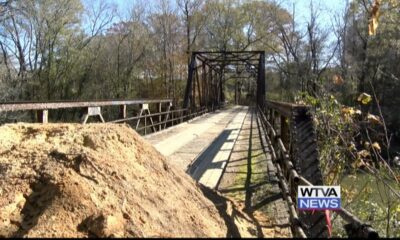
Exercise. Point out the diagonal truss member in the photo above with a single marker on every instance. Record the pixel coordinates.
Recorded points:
(206, 73)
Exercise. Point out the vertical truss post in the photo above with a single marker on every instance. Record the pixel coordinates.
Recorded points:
(261, 81)
(221, 90)
(198, 87)
(212, 87)
(217, 91)
(236, 91)
(189, 82)
(204, 80)
(193, 97)
(209, 89)
(239, 91)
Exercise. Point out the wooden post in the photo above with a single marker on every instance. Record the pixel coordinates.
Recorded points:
(145, 124)
(272, 121)
(181, 117)
(285, 131)
(43, 116)
(122, 112)
(159, 117)
(92, 111)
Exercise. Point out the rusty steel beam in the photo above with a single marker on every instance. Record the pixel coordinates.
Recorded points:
(23, 106)
(187, 100)
(355, 227)
(233, 59)
(227, 52)
(261, 81)
(229, 56)
(286, 109)
(204, 61)
(219, 62)
(245, 77)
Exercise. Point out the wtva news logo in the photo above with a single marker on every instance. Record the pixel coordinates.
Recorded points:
(318, 197)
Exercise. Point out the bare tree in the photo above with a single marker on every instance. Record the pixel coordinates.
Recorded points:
(194, 21)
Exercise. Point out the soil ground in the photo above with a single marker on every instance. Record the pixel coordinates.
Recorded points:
(102, 180)
(248, 179)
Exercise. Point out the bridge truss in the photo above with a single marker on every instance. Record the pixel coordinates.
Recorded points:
(207, 74)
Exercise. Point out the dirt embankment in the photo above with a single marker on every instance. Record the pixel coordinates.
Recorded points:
(71, 180)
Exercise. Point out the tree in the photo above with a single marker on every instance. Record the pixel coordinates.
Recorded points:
(194, 21)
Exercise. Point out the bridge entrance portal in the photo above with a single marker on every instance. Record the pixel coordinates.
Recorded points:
(209, 71)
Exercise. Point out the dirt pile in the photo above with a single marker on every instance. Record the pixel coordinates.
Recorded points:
(72, 180)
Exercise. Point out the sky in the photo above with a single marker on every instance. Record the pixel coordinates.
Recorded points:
(327, 8)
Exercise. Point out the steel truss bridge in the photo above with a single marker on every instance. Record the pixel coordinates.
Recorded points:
(287, 130)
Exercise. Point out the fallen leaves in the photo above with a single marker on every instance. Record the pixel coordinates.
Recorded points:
(374, 119)
(374, 16)
(337, 79)
(364, 153)
(359, 163)
(350, 111)
(364, 98)
(376, 146)
(352, 147)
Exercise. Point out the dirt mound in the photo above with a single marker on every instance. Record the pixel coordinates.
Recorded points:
(72, 180)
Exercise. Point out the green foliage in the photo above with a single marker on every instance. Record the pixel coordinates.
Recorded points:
(336, 129)
(343, 159)
(372, 202)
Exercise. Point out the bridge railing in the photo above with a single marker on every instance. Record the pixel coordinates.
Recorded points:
(152, 114)
(291, 136)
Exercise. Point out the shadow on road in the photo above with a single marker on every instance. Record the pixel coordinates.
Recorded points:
(204, 161)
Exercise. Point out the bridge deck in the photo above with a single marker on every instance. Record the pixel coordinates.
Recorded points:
(223, 150)
(185, 142)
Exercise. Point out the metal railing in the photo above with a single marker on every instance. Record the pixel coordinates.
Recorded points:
(292, 140)
(167, 118)
(163, 117)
